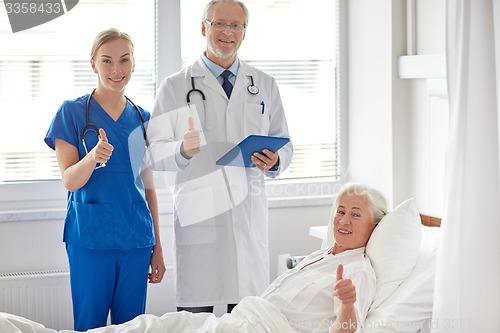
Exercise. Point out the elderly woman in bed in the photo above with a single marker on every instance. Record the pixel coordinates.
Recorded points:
(304, 294)
(329, 291)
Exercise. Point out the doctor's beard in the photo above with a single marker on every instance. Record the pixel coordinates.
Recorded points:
(219, 53)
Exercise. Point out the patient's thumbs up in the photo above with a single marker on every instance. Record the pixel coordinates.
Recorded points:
(344, 289)
(191, 141)
(340, 272)
(102, 135)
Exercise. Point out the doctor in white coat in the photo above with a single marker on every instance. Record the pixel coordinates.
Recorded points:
(220, 212)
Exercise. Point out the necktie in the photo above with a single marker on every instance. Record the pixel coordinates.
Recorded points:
(226, 85)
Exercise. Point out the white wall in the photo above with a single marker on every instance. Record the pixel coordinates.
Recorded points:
(370, 79)
(397, 132)
(429, 114)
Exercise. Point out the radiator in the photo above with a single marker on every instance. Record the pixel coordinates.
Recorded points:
(45, 297)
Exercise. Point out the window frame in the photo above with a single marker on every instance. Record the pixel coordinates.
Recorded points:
(21, 200)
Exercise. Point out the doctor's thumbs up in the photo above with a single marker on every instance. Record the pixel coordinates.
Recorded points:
(344, 289)
(191, 141)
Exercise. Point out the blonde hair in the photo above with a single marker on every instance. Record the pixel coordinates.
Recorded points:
(106, 36)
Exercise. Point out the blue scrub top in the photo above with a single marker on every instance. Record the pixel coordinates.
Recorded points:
(110, 210)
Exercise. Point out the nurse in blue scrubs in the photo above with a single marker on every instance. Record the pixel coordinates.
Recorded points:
(111, 228)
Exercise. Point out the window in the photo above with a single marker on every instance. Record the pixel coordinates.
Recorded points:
(42, 66)
(293, 41)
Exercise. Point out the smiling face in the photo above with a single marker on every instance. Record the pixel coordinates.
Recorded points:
(114, 64)
(223, 45)
(353, 223)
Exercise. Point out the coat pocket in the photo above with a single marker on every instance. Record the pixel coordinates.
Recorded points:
(256, 119)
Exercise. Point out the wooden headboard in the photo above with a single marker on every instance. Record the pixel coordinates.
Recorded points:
(430, 220)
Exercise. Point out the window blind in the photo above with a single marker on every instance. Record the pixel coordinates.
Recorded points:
(295, 42)
(43, 66)
(311, 158)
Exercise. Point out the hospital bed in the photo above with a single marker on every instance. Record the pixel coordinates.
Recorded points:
(402, 249)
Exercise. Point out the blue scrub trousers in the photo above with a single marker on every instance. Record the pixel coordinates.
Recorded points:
(104, 281)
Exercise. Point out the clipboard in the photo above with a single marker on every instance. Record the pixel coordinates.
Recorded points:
(240, 154)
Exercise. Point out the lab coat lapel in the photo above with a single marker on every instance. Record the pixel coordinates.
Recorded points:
(199, 69)
(243, 78)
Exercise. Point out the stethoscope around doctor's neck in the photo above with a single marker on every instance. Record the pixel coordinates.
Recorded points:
(252, 89)
(91, 127)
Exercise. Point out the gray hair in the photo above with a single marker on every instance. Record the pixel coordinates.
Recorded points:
(207, 12)
(374, 197)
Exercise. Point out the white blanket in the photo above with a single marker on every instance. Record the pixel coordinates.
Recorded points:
(252, 315)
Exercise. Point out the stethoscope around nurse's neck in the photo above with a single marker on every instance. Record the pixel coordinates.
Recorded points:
(91, 127)
(252, 89)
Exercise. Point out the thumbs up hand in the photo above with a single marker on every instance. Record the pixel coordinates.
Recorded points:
(344, 289)
(340, 272)
(191, 141)
(103, 150)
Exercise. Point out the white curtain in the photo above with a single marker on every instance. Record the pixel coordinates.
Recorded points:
(467, 294)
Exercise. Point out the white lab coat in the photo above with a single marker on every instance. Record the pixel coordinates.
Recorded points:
(220, 213)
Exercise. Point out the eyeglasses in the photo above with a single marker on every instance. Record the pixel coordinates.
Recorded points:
(219, 25)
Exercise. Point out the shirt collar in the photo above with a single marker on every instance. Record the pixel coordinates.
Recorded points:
(346, 252)
(217, 70)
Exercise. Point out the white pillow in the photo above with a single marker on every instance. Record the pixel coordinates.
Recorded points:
(409, 308)
(393, 248)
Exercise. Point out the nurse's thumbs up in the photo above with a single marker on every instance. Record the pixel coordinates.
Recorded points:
(103, 150)
(102, 135)
(344, 289)
(191, 141)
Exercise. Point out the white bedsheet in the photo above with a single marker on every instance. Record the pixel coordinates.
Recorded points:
(252, 315)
